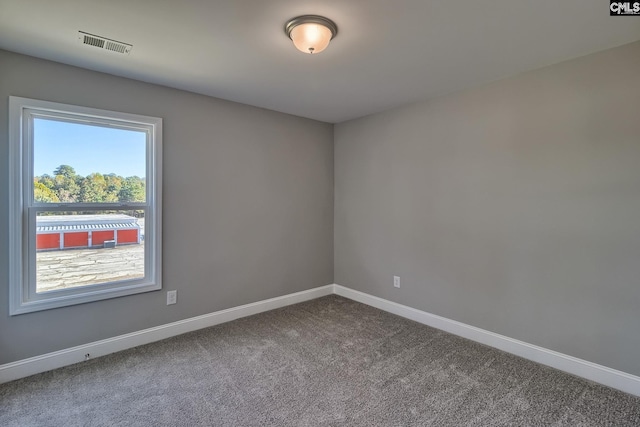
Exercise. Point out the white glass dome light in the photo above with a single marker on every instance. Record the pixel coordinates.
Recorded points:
(311, 33)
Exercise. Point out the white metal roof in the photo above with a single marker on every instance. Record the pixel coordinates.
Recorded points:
(57, 223)
(86, 227)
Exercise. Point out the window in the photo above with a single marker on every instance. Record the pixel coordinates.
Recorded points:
(85, 204)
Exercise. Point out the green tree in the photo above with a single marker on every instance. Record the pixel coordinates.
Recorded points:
(133, 190)
(67, 188)
(64, 183)
(114, 184)
(66, 171)
(47, 180)
(43, 194)
(93, 189)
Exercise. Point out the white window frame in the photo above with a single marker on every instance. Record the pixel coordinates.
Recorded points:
(23, 297)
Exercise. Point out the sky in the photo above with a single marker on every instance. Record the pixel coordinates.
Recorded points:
(87, 148)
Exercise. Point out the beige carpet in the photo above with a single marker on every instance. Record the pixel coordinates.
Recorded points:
(327, 362)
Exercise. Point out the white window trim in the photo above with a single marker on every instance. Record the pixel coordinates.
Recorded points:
(22, 295)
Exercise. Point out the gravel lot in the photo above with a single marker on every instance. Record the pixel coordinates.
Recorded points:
(80, 267)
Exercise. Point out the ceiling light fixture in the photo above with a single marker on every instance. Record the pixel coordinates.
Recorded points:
(311, 33)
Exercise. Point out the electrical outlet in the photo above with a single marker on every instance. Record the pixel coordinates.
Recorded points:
(396, 281)
(172, 297)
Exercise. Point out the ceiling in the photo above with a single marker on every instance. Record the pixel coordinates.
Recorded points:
(387, 52)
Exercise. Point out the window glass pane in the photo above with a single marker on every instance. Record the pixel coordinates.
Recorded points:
(75, 249)
(89, 181)
(86, 163)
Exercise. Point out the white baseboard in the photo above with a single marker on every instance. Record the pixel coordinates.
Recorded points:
(581, 368)
(46, 362)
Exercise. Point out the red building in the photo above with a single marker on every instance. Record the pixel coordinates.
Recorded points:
(86, 231)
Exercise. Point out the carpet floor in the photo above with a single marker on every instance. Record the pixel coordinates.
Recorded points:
(326, 362)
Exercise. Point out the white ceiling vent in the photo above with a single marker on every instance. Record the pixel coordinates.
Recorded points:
(104, 43)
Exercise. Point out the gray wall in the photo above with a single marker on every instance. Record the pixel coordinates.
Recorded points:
(514, 207)
(248, 205)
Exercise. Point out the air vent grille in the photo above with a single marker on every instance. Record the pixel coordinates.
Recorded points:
(104, 43)
(116, 47)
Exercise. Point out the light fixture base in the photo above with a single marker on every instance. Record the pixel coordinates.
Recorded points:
(310, 19)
